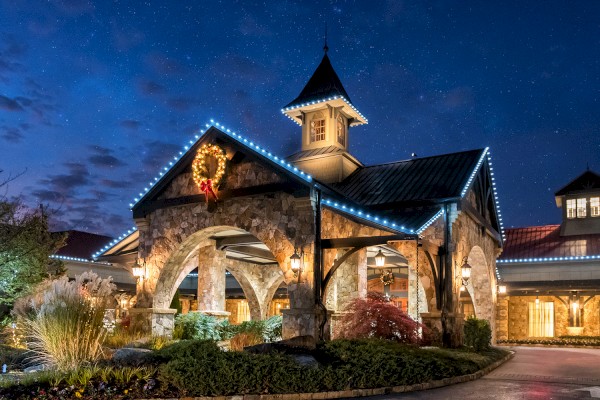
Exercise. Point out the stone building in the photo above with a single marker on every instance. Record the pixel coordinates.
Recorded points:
(552, 273)
(316, 223)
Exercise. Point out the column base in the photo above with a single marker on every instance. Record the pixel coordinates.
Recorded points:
(153, 321)
(454, 323)
(305, 321)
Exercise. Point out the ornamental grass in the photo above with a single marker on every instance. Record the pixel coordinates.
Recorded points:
(65, 328)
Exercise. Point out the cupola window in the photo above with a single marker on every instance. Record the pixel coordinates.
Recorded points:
(571, 208)
(341, 130)
(317, 128)
(581, 208)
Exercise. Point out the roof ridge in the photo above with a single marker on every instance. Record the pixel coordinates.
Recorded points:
(423, 158)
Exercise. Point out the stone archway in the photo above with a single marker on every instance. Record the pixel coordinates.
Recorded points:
(481, 285)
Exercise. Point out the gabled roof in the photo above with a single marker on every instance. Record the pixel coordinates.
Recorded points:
(323, 83)
(426, 180)
(82, 244)
(544, 243)
(405, 220)
(584, 182)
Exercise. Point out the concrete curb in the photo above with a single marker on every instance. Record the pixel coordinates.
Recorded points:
(555, 346)
(360, 392)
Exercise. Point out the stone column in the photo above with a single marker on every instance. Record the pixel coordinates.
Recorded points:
(211, 282)
(502, 317)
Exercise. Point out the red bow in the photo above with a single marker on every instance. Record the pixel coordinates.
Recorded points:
(207, 187)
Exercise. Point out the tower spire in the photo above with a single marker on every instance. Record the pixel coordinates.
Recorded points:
(325, 47)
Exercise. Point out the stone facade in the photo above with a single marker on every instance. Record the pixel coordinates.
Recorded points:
(513, 316)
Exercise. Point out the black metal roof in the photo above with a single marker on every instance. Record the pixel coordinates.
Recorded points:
(419, 180)
(323, 83)
(587, 181)
(314, 152)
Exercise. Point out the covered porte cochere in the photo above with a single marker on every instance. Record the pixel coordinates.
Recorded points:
(274, 227)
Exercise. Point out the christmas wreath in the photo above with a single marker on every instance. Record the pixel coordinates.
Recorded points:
(208, 184)
(387, 278)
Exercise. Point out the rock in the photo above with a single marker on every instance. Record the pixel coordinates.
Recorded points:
(132, 356)
(35, 368)
(306, 360)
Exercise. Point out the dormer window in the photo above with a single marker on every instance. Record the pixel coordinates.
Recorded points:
(595, 206)
(341, 130)
(317, 128)
(581, 208)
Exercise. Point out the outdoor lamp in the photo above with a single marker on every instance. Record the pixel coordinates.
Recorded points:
(379, 259)
(138, 270)
(502, 289)
(295, 261)
(537, 300)
(465, 270)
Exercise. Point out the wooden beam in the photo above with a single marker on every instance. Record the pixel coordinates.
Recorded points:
(472, 212)
(363, 241)
(249, 261)
(240, 240)
(252, 251)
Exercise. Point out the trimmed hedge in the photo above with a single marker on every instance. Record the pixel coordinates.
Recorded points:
(199, 368)
(560, 341)
(478, 334)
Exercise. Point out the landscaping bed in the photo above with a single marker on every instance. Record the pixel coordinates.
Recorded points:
(561, 341)
(200, 368)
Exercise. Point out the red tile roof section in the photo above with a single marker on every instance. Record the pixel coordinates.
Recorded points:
(545, 241)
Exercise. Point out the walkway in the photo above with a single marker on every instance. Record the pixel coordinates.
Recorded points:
(534, 373)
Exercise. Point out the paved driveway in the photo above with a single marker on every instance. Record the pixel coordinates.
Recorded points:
(534, 373)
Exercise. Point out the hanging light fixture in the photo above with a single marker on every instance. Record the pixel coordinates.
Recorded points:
(537, 300)
(379, 259)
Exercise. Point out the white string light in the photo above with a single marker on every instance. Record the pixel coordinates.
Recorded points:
(111, 244)
(323, 100)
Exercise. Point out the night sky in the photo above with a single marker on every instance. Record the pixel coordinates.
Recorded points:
(95, 97)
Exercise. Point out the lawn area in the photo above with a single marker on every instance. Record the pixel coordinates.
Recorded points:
(201, 368)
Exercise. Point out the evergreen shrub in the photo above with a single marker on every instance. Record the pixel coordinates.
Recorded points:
(478, 334)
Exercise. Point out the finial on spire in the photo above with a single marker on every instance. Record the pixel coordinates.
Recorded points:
(325, 47)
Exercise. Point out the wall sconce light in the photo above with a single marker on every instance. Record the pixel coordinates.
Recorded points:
(501, 289)
(379, 259)
(575, 306)
(139, 269)
(465, 273)
(296, 262)
(537, 300)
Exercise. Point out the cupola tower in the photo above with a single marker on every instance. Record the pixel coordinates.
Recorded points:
(324, 111)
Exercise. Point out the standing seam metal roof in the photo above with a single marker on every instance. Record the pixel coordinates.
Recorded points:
(421, 179)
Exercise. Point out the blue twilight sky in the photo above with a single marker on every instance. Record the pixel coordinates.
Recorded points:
(96, 96)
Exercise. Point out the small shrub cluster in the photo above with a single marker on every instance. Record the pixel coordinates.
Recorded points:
(376, 317)
(90, 382)
(200, 326)
(478, 334)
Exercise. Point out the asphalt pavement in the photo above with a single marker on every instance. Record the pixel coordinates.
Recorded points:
(533, 373)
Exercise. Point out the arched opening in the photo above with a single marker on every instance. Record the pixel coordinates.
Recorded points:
(235, 275)
(480, 285)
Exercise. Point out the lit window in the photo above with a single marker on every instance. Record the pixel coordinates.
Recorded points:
(571, 209)
(595, 206)
(581, 209)
(317, 128)
(341, 130)
(541, 319)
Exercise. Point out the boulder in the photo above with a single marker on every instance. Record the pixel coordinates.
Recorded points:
(35, 368)
(132, 356)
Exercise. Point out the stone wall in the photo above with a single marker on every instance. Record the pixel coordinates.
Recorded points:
(516, 309)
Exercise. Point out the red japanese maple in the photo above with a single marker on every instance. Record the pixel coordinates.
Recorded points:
(376, 317)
